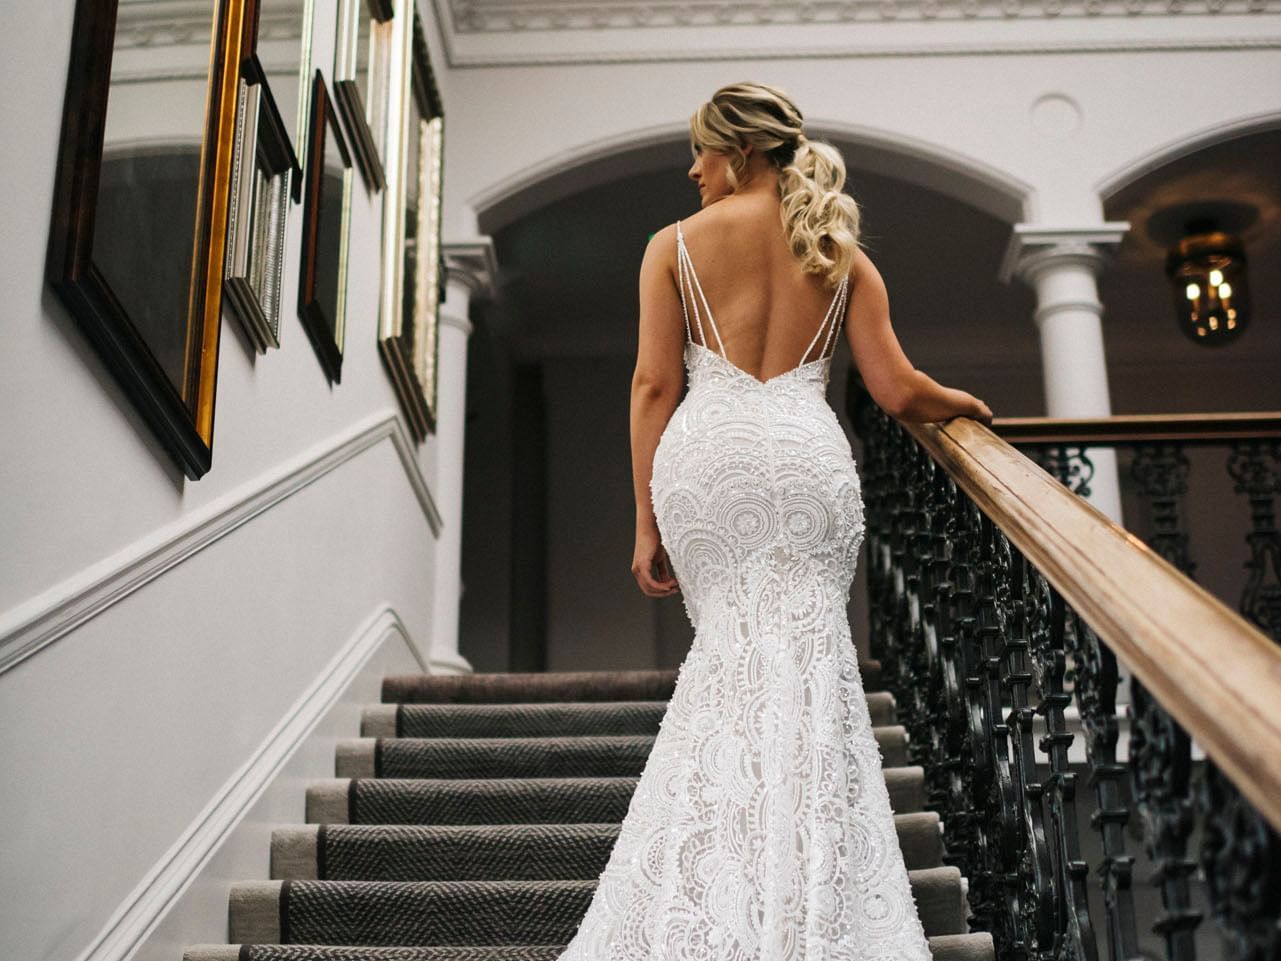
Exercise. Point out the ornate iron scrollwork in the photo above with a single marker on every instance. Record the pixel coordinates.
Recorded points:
(1261, 599)
(975, 644)
(1161, 471)
(1068, 462)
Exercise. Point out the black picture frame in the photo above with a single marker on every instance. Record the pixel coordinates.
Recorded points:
(175, 398)
(254, 73)
(322, 277)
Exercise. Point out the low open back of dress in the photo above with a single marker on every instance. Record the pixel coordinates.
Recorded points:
(688, 278)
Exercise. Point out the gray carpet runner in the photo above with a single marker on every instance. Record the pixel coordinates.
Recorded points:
(473, 817)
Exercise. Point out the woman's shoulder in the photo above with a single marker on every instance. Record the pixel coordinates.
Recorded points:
(725, 222)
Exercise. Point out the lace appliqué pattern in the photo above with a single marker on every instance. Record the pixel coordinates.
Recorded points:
(761, 827)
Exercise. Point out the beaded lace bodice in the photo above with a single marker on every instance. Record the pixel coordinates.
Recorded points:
(761, 827)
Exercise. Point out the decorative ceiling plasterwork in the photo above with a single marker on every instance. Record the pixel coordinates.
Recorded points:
(489, 16)
(168, 23)
(492, 33)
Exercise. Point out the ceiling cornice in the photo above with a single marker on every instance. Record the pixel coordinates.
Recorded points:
(496, 33)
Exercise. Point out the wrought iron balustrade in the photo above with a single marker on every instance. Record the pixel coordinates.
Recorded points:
(998, 602)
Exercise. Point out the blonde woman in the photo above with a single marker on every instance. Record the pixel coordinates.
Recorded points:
(761, 828)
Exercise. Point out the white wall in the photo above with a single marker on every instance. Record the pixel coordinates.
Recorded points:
(172, 625)
(970, 117)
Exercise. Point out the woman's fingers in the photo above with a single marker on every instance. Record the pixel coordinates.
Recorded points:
(660, 585)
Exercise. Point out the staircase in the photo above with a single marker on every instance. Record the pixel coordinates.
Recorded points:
(471, 820)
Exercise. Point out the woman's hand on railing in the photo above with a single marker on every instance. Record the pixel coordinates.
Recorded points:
(982, 413)
(930, 402)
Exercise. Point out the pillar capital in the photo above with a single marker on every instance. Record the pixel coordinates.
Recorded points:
(473, 264)
(1035, 247)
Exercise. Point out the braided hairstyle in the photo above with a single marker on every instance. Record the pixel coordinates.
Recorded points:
(821, 221)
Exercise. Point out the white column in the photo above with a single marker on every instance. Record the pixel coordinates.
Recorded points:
(1062, 265)
(470, 269)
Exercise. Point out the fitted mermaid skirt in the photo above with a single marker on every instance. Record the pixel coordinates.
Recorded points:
(761, 828)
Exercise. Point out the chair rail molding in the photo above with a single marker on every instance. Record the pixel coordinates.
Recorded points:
(144, 908)
(47, 617)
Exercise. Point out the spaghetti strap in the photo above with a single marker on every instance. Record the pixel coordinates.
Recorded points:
(832, 320)
(688, 276)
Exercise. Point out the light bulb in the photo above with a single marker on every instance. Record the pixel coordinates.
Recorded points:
(1194, 291)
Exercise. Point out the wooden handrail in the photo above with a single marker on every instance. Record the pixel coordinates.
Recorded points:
(1211, 428)
(1213, 671)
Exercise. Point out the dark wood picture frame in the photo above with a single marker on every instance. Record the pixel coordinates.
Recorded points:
(181, 415)
(325, 324)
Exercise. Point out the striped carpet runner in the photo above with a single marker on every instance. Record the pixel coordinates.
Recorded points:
(472, 818)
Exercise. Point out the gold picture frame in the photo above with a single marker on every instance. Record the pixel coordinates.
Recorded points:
(138, 238)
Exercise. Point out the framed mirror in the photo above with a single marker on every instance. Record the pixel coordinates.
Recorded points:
(413, 266)
(257, 215)
(362, 65)
(137, 244)
(326, 213)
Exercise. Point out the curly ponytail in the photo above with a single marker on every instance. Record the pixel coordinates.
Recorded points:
(821, 221)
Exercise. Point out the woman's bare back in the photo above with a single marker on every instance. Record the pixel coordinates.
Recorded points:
(767, 309)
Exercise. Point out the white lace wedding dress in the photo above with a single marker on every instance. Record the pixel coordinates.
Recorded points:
(761, 827)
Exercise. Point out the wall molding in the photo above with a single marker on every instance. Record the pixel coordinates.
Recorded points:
(555, 48)
(144, 908)
(50, 616)
(501, 16)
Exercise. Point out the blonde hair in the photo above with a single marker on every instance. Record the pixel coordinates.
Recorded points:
(821, 220)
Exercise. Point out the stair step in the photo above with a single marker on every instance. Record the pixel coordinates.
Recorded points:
(514, 687)
(548, 719)
(616, 755)
(494, 852)
(545, 719)
(474, 912)
(482, 757)
(564, 800)
(943, 947)
(325, 952)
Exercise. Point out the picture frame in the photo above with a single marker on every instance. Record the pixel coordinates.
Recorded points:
(108, 242)
(258, 214)
(413, 275)
(322, 277)
(362, 72)
(286, 44)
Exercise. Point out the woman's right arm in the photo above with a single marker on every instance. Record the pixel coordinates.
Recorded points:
(902, 391)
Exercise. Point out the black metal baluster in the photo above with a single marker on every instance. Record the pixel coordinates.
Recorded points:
(1260, 482)
(1094, 681)
(1073, 930)
(1160, 750)
(1161, 471)
(1240, 852)
(1036, 887)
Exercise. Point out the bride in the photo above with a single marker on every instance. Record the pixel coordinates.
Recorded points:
(760, 828)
